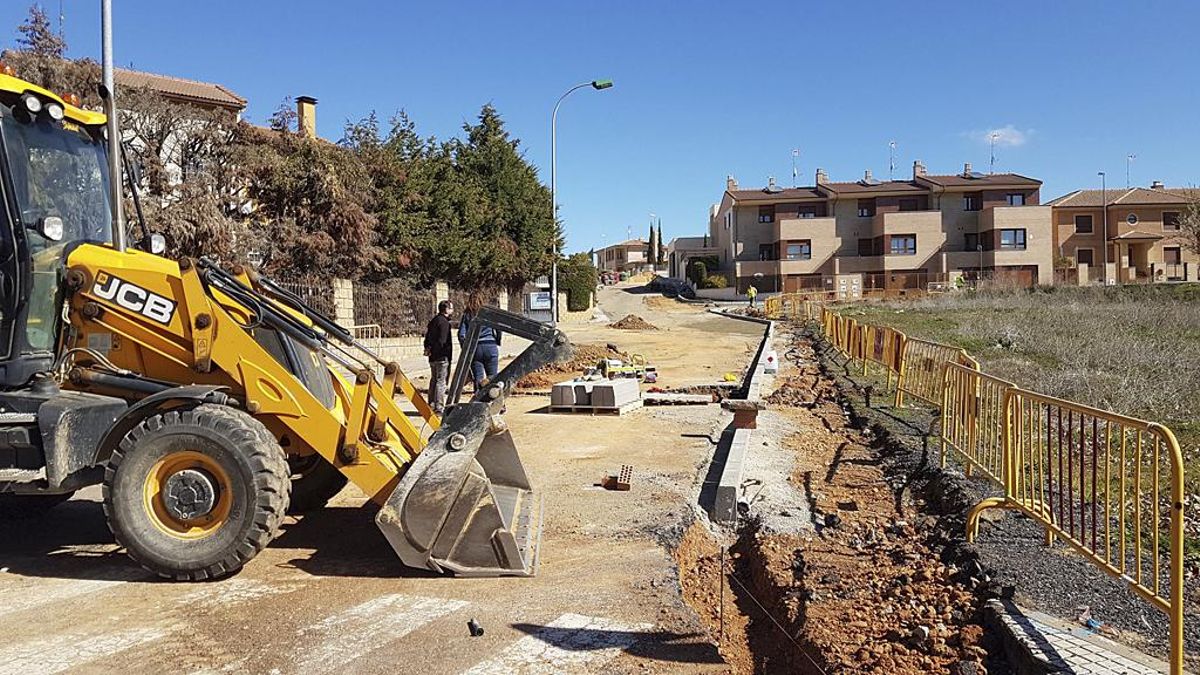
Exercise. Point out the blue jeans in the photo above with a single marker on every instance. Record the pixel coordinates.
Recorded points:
(486, 362)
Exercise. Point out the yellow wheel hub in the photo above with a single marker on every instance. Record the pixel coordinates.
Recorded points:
(187, 495)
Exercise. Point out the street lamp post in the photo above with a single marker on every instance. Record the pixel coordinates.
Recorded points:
(594, 84)
(1104, 206)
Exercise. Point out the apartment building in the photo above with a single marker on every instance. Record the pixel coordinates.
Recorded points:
(1125, 235)
(624, 256)
(895, 234)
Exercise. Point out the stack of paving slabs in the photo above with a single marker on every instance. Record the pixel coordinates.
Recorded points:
(604, 396)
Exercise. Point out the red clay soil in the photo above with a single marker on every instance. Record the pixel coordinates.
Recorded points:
(583, 356)
(633, 322)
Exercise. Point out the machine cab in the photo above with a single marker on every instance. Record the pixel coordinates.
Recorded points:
(53, 195)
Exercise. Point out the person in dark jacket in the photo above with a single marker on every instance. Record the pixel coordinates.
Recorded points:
(439, 348)
(485, 363)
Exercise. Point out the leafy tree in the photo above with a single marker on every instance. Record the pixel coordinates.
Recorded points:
(578, 278)
(37, 37)
(1189, 222)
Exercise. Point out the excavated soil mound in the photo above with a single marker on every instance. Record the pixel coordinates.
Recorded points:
(633, 322)
(583, 356)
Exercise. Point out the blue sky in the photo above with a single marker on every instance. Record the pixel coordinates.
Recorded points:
(705, 89)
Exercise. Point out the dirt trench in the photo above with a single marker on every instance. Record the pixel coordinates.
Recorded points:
(876, 587)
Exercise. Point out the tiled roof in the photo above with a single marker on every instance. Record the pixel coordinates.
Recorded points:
(1140, 195)
(1137, 236)
(1125, 196)
(985, 180)
(690, 242)
(786, 194)
(882, 187)
(628, 242)
(178, 87)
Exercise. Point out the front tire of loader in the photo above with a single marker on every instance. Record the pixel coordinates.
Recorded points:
(314, 482)
(196, 493)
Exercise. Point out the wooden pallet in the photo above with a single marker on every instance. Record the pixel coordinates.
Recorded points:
(670, 398)
(621, 410)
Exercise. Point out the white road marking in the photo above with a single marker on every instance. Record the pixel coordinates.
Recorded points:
(76, 648)
(21, 598)
(232, 592)
(63, 652)
(570, 643)
(337, 640)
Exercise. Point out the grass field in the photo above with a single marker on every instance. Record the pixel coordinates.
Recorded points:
(1133, 350)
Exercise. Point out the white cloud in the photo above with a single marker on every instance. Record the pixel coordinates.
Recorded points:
(1007, 136)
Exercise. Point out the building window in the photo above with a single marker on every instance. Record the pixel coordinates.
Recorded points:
(866, 208)
(866, 247)
(1083, 256)
(972, 201)
(728, 218)
(1016, 199)
(766, 214)
(909, 204)
(808, 211)
(904, 244)
(799, 250)
(1172, 255)
(1083, 224)
(1132, 219)
(1171, 220)
(971, 242)
(767, 252)
(1012, 240)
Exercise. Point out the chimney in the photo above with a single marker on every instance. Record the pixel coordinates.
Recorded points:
(867, 176)
(306, 115)
(918, 168)
(1157, 185)
(822, 177)
(730, 183)
(967, 169)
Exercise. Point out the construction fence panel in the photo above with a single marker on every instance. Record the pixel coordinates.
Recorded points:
(883, 346)
(974, 419)
(921, 369)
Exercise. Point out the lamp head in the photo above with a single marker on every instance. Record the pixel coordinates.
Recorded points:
(601, 84)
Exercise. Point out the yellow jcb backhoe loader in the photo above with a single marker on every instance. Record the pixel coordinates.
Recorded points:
(208, 401)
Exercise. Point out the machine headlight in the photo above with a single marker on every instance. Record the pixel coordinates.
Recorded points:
(56, 111)
(158, 244)
(51, 227)
(32, 103)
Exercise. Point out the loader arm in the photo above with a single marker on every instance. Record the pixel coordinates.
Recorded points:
(457, 500)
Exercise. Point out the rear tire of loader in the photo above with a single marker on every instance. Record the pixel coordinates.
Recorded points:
(196, 493)
(314, 482)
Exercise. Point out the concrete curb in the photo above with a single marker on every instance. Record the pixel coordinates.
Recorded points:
(725, 503)
(745, 411)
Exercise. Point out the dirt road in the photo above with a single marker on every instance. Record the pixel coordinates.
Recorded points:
(329, 595)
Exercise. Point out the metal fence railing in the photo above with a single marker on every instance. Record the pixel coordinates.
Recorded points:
(1109, 486)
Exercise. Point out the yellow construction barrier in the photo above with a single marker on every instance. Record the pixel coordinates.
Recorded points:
(921, 369)
(1108, 485)
(973, 418)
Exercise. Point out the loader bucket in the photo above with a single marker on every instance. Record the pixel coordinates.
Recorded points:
(465, 505)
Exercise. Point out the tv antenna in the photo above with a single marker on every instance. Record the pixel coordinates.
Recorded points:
(891, 159)
(992, 163)
(1128, 164)
(795, 156)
